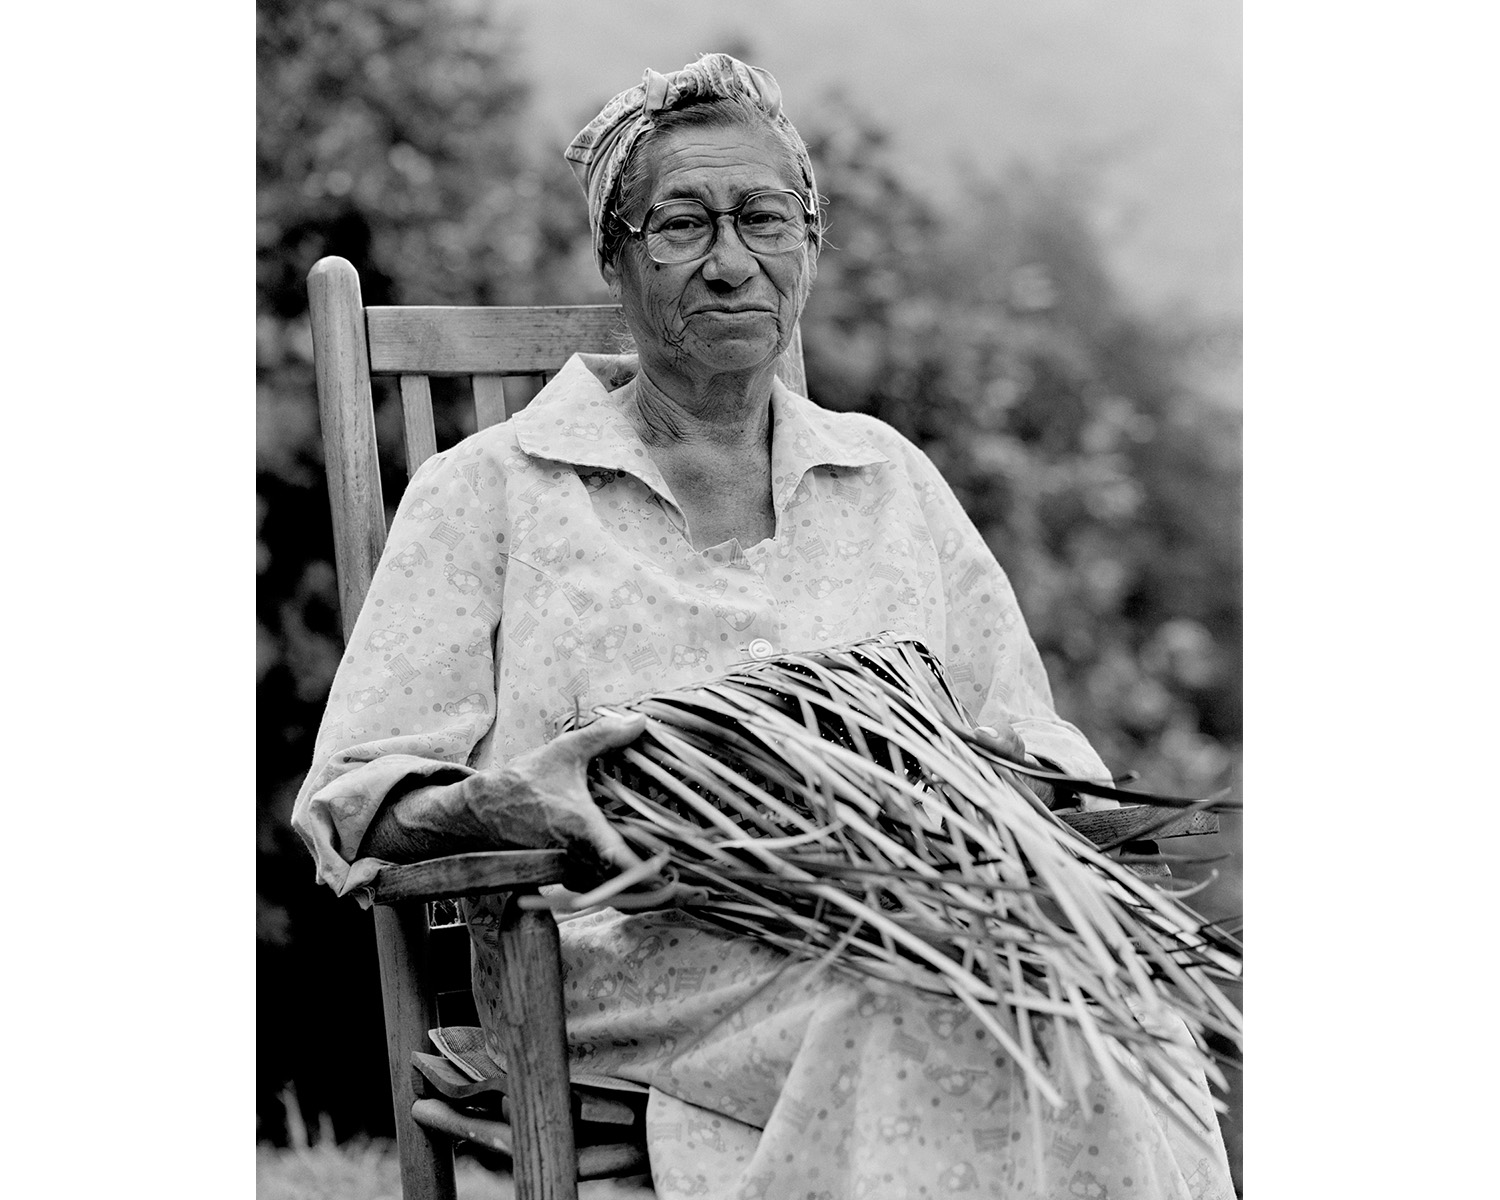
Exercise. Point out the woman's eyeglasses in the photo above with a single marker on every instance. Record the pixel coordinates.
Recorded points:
(678, 231)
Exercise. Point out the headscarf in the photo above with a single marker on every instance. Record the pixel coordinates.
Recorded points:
(599, 153)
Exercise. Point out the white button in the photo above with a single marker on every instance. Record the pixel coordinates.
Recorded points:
(760, 648)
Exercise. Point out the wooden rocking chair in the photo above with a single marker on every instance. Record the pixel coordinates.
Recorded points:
(351, 344)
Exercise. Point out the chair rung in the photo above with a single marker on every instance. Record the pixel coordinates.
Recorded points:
(612, 1160)
(453, 1084)
(607, 1161)
(439, 1115)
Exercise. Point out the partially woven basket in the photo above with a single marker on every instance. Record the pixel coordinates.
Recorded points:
(837, 805)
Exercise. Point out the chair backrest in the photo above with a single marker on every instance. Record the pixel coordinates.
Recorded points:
(505, 351)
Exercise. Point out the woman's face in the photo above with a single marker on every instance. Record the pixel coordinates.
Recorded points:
(730, 311)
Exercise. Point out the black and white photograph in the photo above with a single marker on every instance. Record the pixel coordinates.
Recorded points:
(819, 571)
(749, 600)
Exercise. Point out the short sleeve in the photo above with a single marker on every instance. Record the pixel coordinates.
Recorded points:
(414, 693)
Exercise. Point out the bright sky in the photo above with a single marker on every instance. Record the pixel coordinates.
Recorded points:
(1146, 91)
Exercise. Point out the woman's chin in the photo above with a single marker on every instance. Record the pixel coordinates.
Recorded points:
(734, 349)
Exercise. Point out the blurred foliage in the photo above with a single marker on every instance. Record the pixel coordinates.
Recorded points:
(988, 331)
(990, 334)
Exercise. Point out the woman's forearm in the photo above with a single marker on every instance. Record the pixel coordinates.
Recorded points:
(539, 798)
(428, 821)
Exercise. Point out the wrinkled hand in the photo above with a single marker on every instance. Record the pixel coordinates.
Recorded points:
(540, 799)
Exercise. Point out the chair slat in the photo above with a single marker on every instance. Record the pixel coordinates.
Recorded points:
(416, 411)
(442, 340)
(521, 390)
(489, 400)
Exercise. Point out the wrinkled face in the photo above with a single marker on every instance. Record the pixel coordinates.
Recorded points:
(730, 310)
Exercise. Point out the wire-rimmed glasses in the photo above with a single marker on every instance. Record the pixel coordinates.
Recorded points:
(678, 231)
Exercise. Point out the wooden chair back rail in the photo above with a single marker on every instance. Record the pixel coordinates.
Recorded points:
(492, 346)
(474, 340)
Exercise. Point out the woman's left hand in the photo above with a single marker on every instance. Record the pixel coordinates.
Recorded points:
(1007, 743)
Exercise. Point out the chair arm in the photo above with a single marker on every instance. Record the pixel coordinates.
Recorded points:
(467, 875)
(1139, 821)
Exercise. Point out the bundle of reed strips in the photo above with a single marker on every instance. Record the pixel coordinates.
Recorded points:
(837, 805)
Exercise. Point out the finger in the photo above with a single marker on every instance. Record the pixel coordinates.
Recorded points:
(1007, 741)
(609, 847)
(600, 854)
(607, 733)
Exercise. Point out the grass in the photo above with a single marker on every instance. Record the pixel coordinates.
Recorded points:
(317, 1167)
(370, 1170)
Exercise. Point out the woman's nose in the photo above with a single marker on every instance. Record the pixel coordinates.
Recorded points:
(728, 258)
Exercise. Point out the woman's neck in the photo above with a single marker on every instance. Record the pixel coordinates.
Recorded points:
(727, 412)
(714, 452)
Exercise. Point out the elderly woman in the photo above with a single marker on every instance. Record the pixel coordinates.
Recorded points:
(647, 522)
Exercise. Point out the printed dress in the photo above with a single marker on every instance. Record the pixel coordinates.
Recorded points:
(543, 564)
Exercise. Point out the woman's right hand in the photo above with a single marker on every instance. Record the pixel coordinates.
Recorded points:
(541, 799)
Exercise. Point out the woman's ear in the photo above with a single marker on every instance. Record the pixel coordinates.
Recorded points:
(611, 273)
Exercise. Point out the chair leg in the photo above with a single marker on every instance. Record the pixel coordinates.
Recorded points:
(531, 1013)
(401, 936)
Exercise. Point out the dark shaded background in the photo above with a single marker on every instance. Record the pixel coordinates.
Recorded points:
(989, 331)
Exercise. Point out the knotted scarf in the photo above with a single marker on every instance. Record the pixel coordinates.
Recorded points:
(599, 153)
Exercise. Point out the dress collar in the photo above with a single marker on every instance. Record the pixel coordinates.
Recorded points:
(577, 419)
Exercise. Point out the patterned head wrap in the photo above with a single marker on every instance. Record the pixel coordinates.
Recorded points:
(599, 153)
